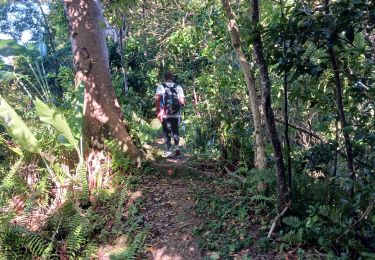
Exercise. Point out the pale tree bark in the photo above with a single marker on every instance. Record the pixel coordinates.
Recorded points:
(268, 111)
(260, 156)
(102, 113)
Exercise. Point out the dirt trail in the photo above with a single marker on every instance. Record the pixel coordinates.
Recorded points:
(169, 214)
(168, 210)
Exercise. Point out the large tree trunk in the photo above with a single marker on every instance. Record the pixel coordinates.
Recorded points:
(268, 111)
(103, 115)
(260, 155)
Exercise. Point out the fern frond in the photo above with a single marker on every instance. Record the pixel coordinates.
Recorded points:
(260, 197)
(9, 180)
(133, 249)
(18, 240)
(78, 232)
(293, 221)
(294, 237)
(82, 173)
(75, 239)
(261, 175)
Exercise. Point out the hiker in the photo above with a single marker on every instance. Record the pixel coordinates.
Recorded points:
(169, 101)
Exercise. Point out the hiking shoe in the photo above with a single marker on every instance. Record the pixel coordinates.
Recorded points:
(168, 153)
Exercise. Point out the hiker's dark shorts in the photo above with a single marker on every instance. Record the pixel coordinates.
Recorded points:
(170, 129)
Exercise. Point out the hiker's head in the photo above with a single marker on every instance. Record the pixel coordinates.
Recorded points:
(168, 76)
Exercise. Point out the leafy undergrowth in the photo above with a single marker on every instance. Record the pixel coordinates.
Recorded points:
(238, 213)
(122, 235)
(79, 233)
(235, 216)
(108, 225)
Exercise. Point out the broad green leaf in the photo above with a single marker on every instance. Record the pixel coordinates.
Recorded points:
(11, 47)
(56, 120)
(19, 131)
(77, 119)
(8, 76)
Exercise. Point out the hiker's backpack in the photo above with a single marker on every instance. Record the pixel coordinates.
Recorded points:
(171, 103)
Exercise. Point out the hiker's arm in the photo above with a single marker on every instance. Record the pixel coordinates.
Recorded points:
(157, 103)
(182, 101)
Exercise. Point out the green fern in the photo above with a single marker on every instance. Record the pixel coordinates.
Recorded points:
(91, 250)
(9, 181)
(74, 227)
(82, 173)
(294, 237)
(120, 207)
(293, 222)
(76, 238)
(262, 175)
(260, 197)
(17, 241)
(43, 187)
(132, 250)
(119, 161)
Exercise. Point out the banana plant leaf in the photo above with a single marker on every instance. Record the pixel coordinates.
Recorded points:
(16, 127)
(6, 76)
(76, 120)
(11, 47)
(56, 120)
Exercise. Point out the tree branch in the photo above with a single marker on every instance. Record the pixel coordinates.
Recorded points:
(277, 219)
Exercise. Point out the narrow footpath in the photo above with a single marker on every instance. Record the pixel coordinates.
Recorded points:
(168, 210)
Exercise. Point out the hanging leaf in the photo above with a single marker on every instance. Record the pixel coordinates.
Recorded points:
(11, 47)
(6, 76)
(56, 120)
(76, 120)
(19, 131)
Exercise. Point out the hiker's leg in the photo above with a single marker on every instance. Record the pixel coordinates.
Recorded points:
(167, 128)
(175, 134)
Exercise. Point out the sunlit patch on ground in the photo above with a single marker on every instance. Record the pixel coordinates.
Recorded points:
(106, 251)
(161, 254)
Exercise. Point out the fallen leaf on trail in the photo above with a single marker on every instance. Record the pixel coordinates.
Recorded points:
(170, 171)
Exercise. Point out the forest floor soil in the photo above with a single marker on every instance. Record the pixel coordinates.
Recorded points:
(168, 210)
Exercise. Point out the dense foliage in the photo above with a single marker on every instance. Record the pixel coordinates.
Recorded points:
(54, 206)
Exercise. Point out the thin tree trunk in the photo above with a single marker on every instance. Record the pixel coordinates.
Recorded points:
(49, 34)
(101, 108)
(144, 26)
(334, 170)
(340, 105)
(341, 113)
(286, 132)
(286, 116)
(59, 90)
(122, 29)
(260, 155)
(268, 111)
(195, 100)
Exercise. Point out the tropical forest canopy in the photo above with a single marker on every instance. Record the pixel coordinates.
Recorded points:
(280, 110)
